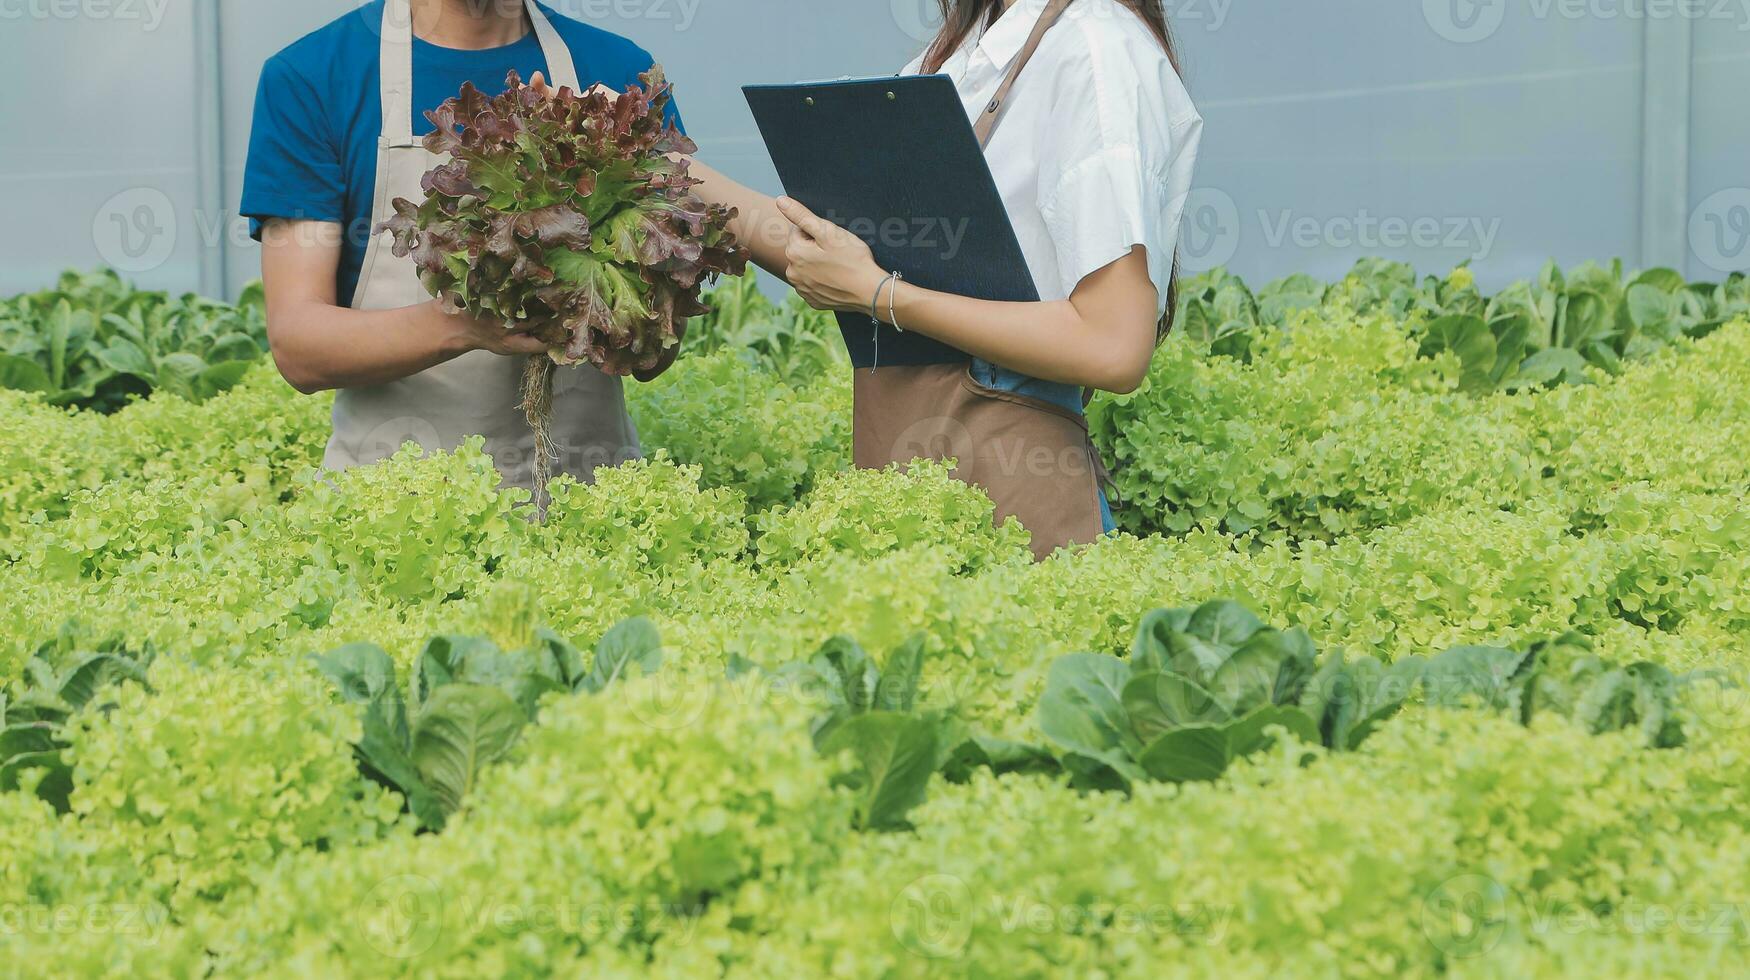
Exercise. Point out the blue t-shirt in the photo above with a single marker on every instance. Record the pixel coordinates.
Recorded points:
(318, 113)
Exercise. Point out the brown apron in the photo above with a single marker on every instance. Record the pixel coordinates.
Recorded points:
(1031, 456)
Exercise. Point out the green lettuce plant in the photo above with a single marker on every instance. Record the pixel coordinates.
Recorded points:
(95, 342)
(1204, 687)
(62, 678)
(468, 706)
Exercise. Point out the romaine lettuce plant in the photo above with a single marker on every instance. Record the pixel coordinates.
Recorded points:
(470, 702)
(95, 342)
(1204, 687)
(60, 680)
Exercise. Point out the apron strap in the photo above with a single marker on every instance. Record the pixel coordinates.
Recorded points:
(561, 70)
(397, 66)
(397, 70)
(987, 120)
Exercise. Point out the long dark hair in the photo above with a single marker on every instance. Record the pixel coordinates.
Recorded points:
(961, 17)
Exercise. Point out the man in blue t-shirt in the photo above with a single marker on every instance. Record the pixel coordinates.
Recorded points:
(332, 121)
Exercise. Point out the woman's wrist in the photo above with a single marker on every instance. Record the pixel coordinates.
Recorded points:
(870, 286)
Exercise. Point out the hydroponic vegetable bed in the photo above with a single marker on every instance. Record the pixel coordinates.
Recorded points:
(1422, 654)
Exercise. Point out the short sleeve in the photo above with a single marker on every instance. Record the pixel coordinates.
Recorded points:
(1100, 209)
(294, 167)
(1118, 168)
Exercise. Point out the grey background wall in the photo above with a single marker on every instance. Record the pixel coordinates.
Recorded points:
(1505, 132)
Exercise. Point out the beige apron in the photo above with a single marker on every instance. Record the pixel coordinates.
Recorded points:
(478, 393)
(1032, 457)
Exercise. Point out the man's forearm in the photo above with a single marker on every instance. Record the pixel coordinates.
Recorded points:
(320, 347)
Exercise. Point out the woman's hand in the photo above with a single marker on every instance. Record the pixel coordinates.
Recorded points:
(830, 267)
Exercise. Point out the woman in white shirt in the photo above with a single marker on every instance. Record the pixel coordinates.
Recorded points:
(1092, 150)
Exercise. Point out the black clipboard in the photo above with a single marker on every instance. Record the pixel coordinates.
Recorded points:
(895, 162)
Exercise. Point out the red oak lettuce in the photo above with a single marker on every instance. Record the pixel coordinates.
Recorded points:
(568, 216)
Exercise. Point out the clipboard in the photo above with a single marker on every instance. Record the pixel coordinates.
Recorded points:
(895, 162)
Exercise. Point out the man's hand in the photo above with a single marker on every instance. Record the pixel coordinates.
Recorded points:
(320, 344)
(471, 333)
(538, 82)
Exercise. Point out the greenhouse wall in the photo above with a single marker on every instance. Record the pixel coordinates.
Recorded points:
(1504, 132)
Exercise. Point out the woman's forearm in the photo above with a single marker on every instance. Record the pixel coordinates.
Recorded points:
(757, 224)
(1050, 341)
(1101, 337)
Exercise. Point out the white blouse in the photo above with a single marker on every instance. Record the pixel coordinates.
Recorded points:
(1097, 142)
